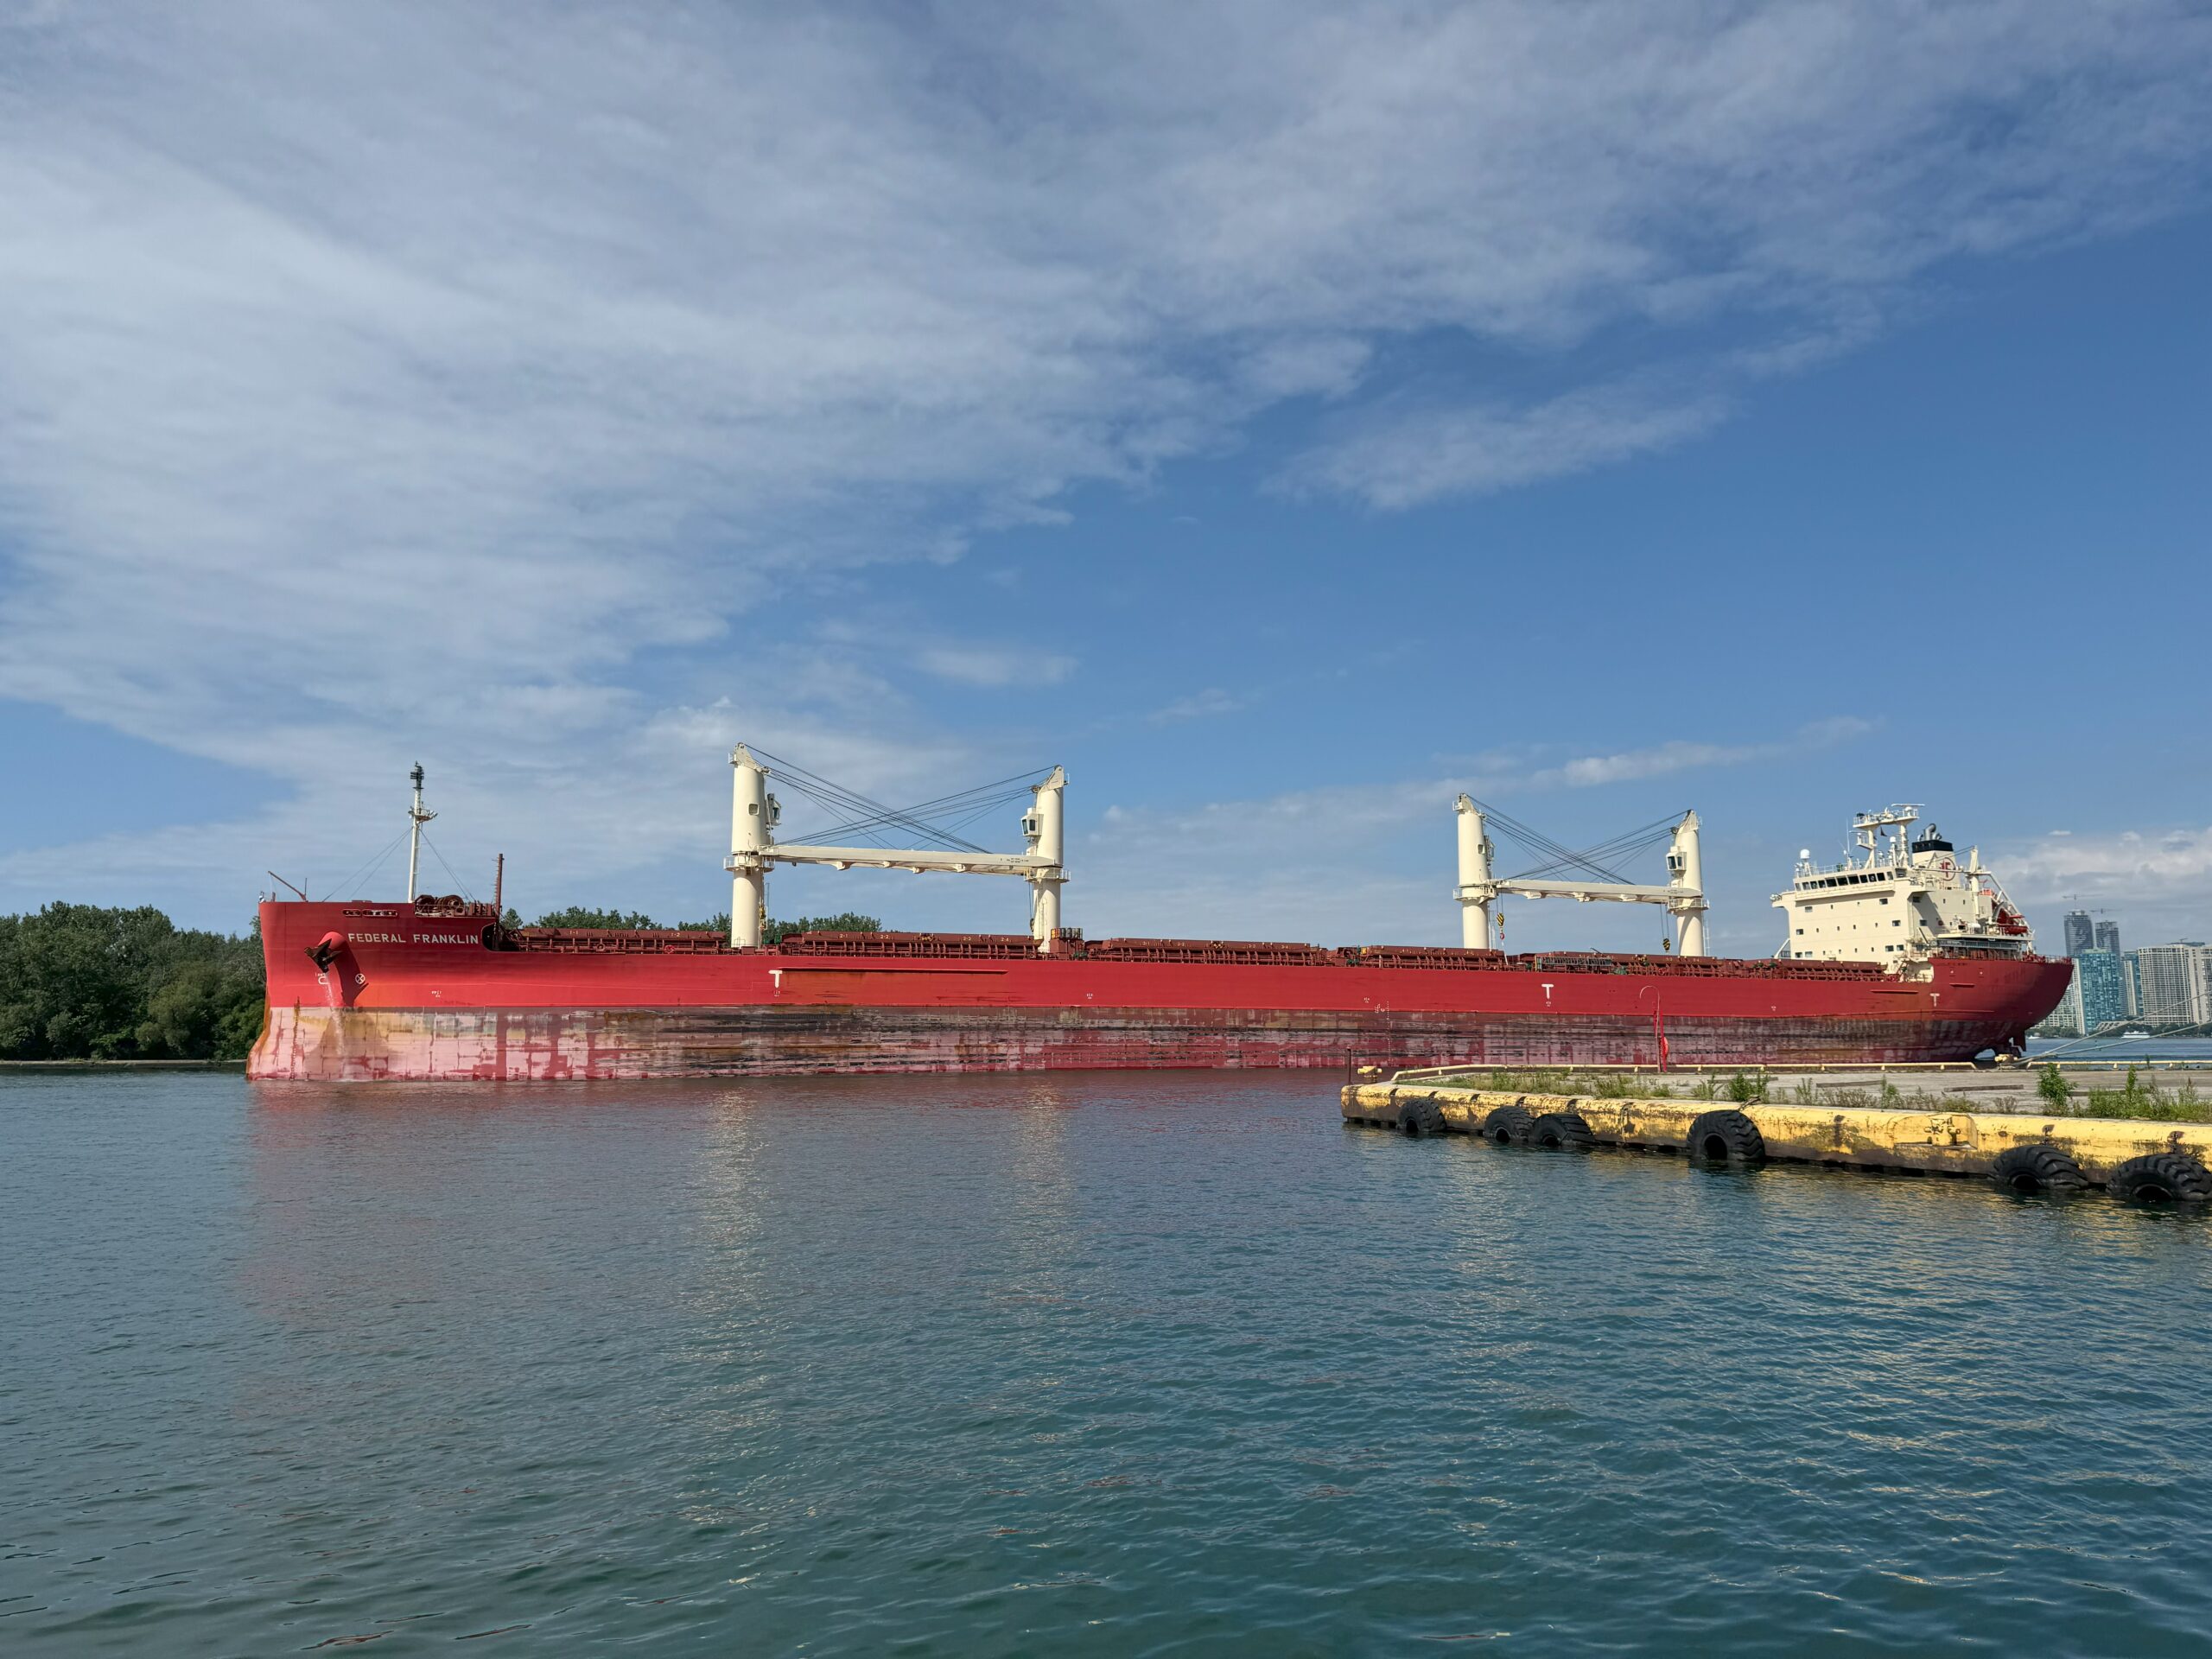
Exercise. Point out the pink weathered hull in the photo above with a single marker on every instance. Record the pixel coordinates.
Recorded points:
(543, 1045)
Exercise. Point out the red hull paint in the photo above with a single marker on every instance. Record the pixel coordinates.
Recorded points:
(409, 997)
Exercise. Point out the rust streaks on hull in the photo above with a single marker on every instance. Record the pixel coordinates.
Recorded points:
(319, 1044)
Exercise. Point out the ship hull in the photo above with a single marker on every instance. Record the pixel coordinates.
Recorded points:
(518, 1046)
(401, 998)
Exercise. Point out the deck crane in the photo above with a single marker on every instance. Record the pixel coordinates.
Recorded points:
(755, 813)
(1683, 894)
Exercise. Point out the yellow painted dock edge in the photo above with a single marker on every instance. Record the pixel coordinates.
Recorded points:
(1950, 1143)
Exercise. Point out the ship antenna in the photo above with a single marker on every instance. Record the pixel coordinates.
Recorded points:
(417, 817)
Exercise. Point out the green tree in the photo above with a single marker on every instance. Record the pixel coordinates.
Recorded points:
(578, 915)
(845, 921)
(85, 982)
(774, 932)
(202, 1011)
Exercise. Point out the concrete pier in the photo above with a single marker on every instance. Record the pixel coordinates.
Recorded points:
(1941, 1141)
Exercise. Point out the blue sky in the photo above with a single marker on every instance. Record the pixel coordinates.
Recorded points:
(1282, 418)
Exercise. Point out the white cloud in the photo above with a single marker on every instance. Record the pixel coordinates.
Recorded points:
(1208, 704)
(417, 379)
(2155, 884)
(1404, 457)
(992, 666)
(2138, 868)
(1681, 756)
(1636, 764)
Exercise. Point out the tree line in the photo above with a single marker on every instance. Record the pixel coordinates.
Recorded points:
(89, 982)
(771, 931)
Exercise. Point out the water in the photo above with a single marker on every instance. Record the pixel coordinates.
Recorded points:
(2117, 1049)
(1099, 1365)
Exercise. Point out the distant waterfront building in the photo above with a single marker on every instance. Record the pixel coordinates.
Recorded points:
(2101, 990)
(2108, 937)
(2081, 932)
(2176, 984)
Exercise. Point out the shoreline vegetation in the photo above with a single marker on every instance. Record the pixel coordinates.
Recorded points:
(91, 982)
(97, 985)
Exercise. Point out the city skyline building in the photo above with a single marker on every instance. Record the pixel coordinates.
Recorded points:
(2099, 989)
(2176, 986)
(2108, 937)
(2081, 932)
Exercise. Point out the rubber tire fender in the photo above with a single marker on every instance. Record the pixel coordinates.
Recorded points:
(1725, 1137)
(2038, 1167)
(2173, 1177)
(1420, 1117)
(1561, 1131)
(1508, 1126)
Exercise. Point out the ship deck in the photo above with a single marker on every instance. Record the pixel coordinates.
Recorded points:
(1020, 947)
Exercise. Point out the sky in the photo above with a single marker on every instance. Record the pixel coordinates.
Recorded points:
(1284, 418)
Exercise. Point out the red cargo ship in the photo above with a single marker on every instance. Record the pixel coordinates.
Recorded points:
(438, 990)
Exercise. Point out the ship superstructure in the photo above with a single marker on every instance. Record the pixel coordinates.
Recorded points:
(1900, 899)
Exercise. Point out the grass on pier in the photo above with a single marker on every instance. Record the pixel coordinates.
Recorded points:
(2138, 1097)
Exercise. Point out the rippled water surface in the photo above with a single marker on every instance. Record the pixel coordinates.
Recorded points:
(1096, 1365)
